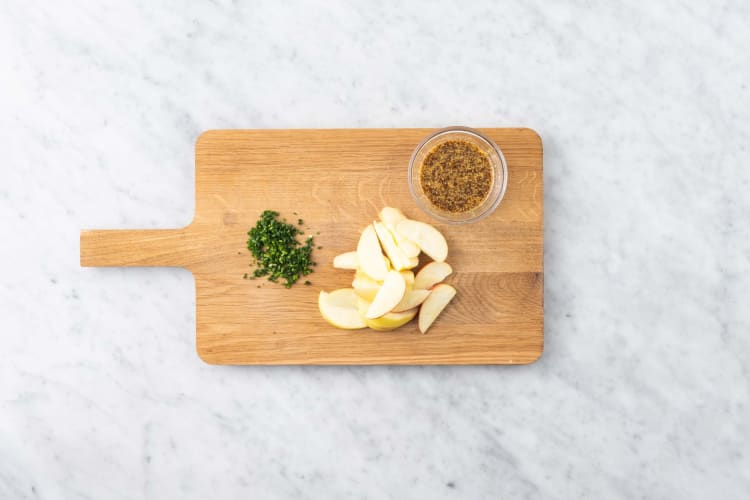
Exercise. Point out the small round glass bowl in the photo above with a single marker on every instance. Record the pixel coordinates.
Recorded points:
(487, 146)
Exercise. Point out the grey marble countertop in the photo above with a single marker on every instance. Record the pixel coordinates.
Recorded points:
(643, 390)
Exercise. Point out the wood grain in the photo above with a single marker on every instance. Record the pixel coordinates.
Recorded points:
(337, 181)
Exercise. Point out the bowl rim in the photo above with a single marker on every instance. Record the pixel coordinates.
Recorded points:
(469, 131)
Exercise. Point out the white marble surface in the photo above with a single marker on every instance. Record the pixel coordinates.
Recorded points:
(643, 390)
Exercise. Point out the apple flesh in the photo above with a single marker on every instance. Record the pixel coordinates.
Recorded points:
(385, 292)
(434, 304)
(346, 260)
(427, 238)
(392, 320)
(412, 299)
(392, 250)
(387, 322)
(371, 259)
(408, 277)
(432, 274)
(410, 249)
(339, 308)
(389, 295)
(391, 217)
(365, 287)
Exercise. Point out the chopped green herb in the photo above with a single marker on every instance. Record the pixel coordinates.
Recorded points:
(308, 283)
(300, 222)
(277, 252)
(320, 248)
(245, 276)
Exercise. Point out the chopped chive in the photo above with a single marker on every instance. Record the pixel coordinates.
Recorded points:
(278, 254)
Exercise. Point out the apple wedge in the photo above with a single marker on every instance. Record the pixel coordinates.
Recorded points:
(392, 250)
(387, 322)
(365, 287)
(391, 217)
(432, 274)
(391, 320)
(434, 304)
(339, 308)
(427, 238)
(389, 295)
(408, 277)
(386, 263)
(412, 299)
(362, 306)
(410, 249)
(359, 273)
(346, 260)
(371, 259)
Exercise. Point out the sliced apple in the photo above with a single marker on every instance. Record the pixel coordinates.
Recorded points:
(391, 217)
(365, 287)
(413, 262)
(339, 308)
(371, 259)
(387, 322)
(346, 260)
(427, 238)
(362, 306)
(359, 273)
(392, 250)
(408, 277)
(410, 249)
(432, 274)
(389, 295)
(392, 320)
(387, 263)
(412, 298)
(434, 304)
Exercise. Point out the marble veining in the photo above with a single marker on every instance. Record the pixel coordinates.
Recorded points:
(644, 387)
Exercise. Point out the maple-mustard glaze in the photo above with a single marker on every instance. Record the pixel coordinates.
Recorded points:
(456, 176)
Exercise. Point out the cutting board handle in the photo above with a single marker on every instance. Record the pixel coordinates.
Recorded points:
(142, 247)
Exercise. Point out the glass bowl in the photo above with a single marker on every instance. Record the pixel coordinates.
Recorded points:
(498, 183)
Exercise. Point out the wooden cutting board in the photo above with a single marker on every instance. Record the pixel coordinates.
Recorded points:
(337, 181)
